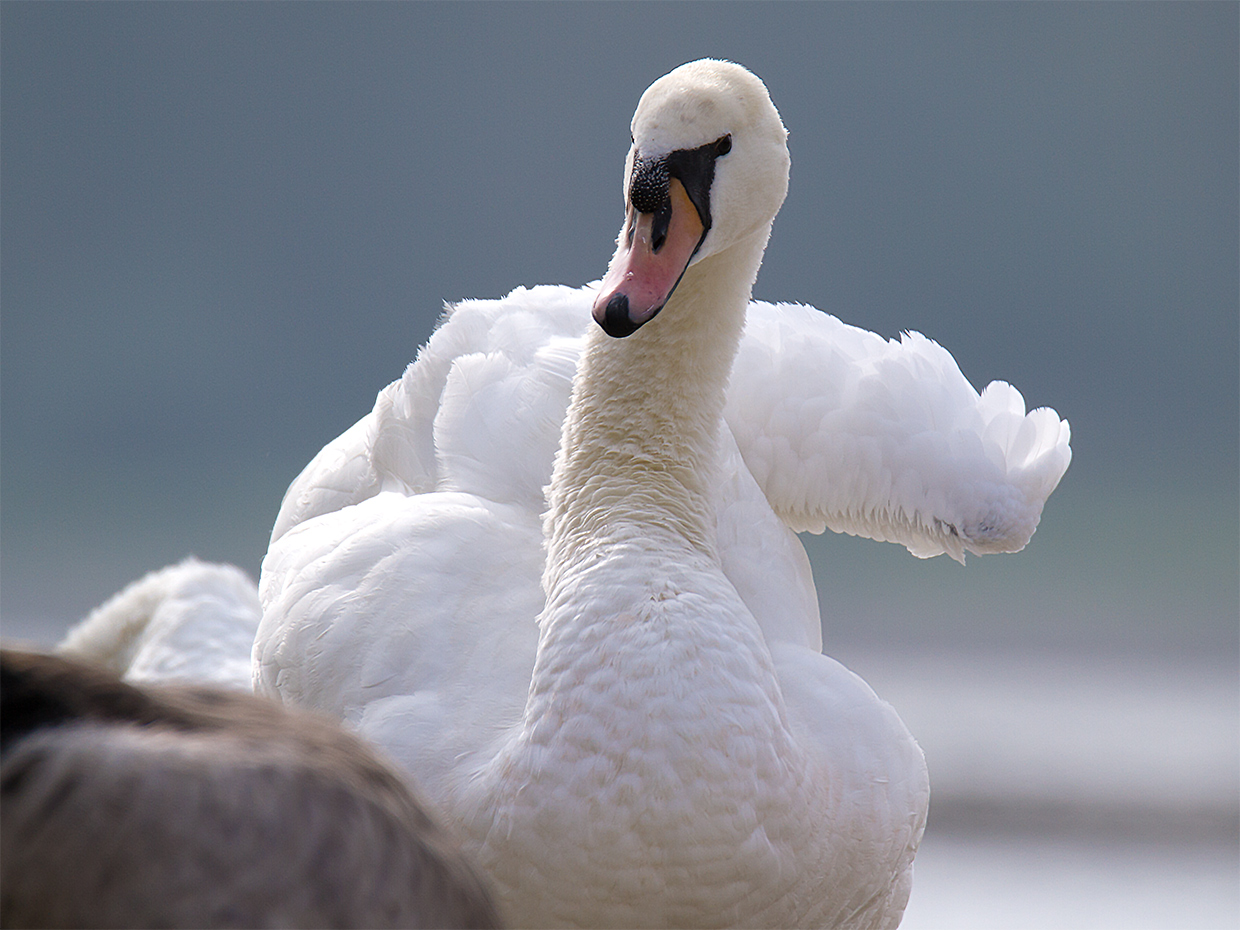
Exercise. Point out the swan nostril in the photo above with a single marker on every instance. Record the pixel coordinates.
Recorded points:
(659, 228)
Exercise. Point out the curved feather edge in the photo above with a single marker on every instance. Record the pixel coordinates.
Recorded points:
(842, 429)
(887, 439)
(192, 621)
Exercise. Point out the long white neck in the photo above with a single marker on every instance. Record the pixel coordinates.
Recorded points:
(639, 445)
(648, 662)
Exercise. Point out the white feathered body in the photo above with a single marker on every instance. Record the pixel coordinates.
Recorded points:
(402, 592)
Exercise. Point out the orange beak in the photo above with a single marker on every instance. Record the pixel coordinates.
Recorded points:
(654, 251)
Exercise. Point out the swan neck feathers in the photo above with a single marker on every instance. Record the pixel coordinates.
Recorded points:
(639, 448)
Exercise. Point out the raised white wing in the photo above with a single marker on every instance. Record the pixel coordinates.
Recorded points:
(841, 429)
(479, 409)
(886, 439)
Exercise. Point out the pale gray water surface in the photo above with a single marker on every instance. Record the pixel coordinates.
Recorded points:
(1017, 883)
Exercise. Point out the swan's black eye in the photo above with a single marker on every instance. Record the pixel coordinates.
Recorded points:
(723, 145)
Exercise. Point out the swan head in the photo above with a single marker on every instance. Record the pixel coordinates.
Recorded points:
(708, 168)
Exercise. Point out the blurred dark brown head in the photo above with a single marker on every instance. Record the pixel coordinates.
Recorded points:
(192, 807)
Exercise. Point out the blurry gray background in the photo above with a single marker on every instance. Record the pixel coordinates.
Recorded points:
(224, 227)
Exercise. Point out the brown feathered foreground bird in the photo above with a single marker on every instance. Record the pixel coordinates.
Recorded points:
(193, 807)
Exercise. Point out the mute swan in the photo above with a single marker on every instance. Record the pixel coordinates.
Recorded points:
(622, 704)
(192, 807)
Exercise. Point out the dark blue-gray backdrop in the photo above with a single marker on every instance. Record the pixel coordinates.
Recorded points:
(224, 227)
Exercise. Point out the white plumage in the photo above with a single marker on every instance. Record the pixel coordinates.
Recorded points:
(886, 439)
(554, 573)
(189, 622)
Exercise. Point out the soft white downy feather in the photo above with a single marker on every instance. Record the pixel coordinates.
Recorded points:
(189, 622)
(887, 439)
